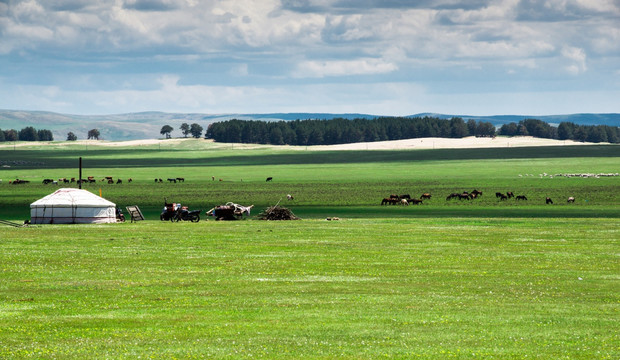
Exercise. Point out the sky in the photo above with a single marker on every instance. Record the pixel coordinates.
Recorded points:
(390, 57)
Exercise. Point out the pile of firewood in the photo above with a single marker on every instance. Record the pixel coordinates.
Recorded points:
(277, 213)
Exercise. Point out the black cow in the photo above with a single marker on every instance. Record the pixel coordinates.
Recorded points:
(476, 193)
(269, 179)
(452, 196)
(521, 197)
(548, 200)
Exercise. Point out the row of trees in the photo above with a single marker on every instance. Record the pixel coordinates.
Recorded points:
(186, 129)
(26, 134)
(342, 131)
(564, 131)
(31, 134)
(92, 134)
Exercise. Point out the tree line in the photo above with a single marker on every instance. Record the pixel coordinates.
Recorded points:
(194, 129)
(29, 133)
(342, 131)
(564, 131)
(26, 134)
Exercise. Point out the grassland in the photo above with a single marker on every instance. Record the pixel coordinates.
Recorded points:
(480, 279)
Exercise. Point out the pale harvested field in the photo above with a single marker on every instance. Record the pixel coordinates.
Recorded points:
(406, 144)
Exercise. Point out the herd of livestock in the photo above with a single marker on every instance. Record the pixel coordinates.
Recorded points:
(393, 199)
(406, 199)
(90, 179)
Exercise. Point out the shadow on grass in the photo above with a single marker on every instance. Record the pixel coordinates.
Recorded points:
(118, 158)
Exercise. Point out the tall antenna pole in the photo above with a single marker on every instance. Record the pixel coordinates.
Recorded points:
(80, 178)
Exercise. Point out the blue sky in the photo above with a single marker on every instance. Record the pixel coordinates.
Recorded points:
(391, 57)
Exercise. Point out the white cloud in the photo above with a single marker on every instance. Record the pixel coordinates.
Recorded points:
(577, 59)
(343, 68)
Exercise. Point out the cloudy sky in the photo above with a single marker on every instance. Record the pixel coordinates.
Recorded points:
(387, 57)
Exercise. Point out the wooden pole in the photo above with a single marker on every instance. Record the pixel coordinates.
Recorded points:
(80, 178)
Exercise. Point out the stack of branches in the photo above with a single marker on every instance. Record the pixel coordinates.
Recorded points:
(277, 213)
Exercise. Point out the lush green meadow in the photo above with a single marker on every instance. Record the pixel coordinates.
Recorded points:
(351, 183)
(446, 279)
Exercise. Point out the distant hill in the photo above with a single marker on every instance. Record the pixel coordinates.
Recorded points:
(146, 125)
(580, 119)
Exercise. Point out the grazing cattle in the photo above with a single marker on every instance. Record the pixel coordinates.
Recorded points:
(110, 181)
(269, 179)
(498, 194)
(391, 201)
(289, 197)
(394, 196)
(521, 197)
(64, 180)
(416, 201)
(571, 199)
(47, 181)
(180, 179)
(509, 194)
(72, 180)
(452, 196)
(213, 178)
(155, 179)
(465, 196)
(548, 200)
(404, 202)
(405, 196)
(160, 180)
(503, 197)
(107, 178)
(130, 180)
(119, 181)
(476, 193)
(172, 180)
(425, 196)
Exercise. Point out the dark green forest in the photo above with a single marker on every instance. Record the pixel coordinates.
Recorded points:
(26, 134)
(343, 131)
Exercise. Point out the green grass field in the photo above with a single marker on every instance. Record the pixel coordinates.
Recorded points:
(446, 279)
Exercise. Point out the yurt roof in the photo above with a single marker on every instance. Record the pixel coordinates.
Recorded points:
(68, 197)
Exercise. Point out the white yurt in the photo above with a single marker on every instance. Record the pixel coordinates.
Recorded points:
(72, 206)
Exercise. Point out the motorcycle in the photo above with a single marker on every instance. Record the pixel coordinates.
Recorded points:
(119, 215)
(176, 212)
(187, 215)
(169, 212)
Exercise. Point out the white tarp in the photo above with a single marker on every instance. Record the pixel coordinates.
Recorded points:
(72, 206)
